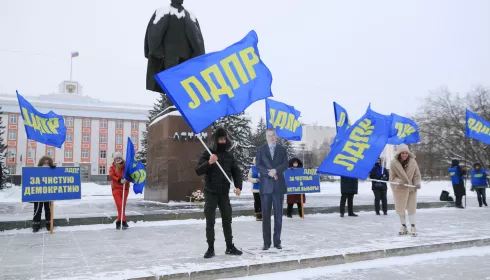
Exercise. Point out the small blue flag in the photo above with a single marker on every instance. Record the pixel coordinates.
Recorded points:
(134, 171)
(284, 118)
(218, 84)
(477, 128)
(403, 131)
(342, 121)
(47, 128)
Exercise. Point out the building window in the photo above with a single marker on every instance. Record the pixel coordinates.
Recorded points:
(134, 139)
(118, 139)
(119, 124)
(103, 138)
(69, 137)
(84, 153)
(11, 169)
(86, 122)
(68, 153)
(103, 154)
(68, 121)
(102, 170)
(51, 152)
(86, 138)
(13, 118)
(103, 123)
(30, 153)
(11, 153)
(134, 126)
(12, 135)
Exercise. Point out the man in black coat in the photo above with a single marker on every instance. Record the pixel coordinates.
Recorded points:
(348, 188)
(379, 188)
(173, 36)
(217, 188)
(459, 189)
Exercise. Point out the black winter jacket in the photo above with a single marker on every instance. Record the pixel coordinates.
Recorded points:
(348, 185)
(215, 181)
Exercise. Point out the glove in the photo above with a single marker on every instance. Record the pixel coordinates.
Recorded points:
(418, 187)
(472, 189)
(123, 181)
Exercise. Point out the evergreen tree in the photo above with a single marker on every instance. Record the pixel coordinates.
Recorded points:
(162, 103)
(239, 132)
(3, 151)
(259, 140)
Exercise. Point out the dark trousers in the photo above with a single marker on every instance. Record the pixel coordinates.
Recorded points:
(38, 210)
(350, 202)
(222, 201)
(257, 203)
(269, 201)
(459, 200)
(380, 195)
(482, 198)
(290, 209)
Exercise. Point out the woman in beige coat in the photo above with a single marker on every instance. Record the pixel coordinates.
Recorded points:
(405, 171)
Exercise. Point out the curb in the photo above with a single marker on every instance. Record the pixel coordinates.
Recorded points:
(152, 217)
(264, 268)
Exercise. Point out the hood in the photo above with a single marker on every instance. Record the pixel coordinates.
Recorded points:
(49, 159)
(300, 163)
(218, 133)
(454, 163)
(403, 148)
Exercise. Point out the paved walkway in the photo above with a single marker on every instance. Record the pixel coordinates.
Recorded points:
(167, 248)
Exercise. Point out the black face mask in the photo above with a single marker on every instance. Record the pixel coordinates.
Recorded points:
(221, 147)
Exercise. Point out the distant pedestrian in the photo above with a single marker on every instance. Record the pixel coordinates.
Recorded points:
(45, 161)
(405, 171)
(254, 178)
(457, 178)
(116, 173)
(295, 198)
(348, 188)
(479, 183)
(379, 188)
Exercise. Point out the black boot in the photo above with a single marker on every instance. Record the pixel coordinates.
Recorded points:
(36, 226)
(48, 226)
(232, 250)
(209, 253)
(352, 215)
(125, 225)
(118, 225)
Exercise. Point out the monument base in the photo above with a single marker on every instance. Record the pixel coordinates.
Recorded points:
(172, 155)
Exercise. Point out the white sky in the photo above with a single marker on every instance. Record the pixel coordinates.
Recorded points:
(389, 53)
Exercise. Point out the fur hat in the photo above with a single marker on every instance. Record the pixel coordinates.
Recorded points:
(403, 148)
(220, 132)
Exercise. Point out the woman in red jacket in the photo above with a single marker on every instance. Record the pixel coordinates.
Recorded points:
(116, 173)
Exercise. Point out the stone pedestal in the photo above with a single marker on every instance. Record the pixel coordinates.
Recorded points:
(173, 152)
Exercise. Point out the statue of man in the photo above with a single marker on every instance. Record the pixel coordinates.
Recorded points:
(173, 36)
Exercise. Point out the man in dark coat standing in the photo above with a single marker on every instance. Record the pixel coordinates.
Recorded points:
(379, 188)
(217, 189)
(173, 36)
(272, 162)
(458, 183)
(348, 188)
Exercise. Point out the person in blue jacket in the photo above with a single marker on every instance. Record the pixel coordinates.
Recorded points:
(479, 183)
(457, 178)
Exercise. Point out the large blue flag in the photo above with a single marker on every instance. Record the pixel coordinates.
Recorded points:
(284, 118)
(358, 148)
(218, 84)
(477, 128)
(134, 171)
(47, 128)
(403, 131)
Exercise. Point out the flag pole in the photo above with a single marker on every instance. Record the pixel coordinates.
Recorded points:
(122, 206)
(71, 66)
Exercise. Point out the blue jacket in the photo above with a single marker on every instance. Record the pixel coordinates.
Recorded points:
(264, 162)
(479, 178)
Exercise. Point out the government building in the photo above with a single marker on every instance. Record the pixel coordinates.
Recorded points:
(95, 130)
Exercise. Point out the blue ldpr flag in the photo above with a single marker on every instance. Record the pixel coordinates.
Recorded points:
(342, 122)
(359, 147)
(47, 128)
(218, 84)
(134, 171)
(403, 131)
(284, 118)
(477, 128)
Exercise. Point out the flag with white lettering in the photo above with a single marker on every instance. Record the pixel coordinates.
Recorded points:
(477, 128)
(403, 131)
(47, 128)
(218, 84)
(284, 118)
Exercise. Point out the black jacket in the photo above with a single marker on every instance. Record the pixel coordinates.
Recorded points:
(348, 185)
(374, 174)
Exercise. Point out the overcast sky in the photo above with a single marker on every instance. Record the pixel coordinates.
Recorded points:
(389, 53)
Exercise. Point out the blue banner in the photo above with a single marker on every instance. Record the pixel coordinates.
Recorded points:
(48, 184)
(284, 118)
(218, 84)
(403, 131)
(477, 128)
(358, 148)
(301, 180)
(342, 122)
(47, 128)
(134, 171)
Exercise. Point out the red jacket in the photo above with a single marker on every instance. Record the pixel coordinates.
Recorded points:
(116, 177)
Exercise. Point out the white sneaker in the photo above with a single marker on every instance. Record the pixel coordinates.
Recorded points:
(413, 232)
(403, 231)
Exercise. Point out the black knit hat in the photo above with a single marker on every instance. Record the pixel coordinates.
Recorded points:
(220, 132)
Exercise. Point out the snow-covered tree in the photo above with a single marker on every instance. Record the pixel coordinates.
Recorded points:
(239, 132)
(3, 151)
(162, 103)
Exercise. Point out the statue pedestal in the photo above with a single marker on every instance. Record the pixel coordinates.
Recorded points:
(173, 152)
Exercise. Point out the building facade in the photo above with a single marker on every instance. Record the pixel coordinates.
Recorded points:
(95, 130)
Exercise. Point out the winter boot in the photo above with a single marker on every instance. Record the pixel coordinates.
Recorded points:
(403, 230)
(258, 217)
(232, 250)
(377, 213)
(36, 226)
(48, 226)
(413, 231)
(352, 215)
(125, 225)
(341, 215)
(209, 253)
(118, 225)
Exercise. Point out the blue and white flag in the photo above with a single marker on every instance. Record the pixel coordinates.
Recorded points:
(47, 128)
(218, 84)
(403, 131)
(284, 118)
(134, 171)
(477, 128)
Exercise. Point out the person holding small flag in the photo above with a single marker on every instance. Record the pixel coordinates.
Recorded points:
(116, 173)
(479, 183)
